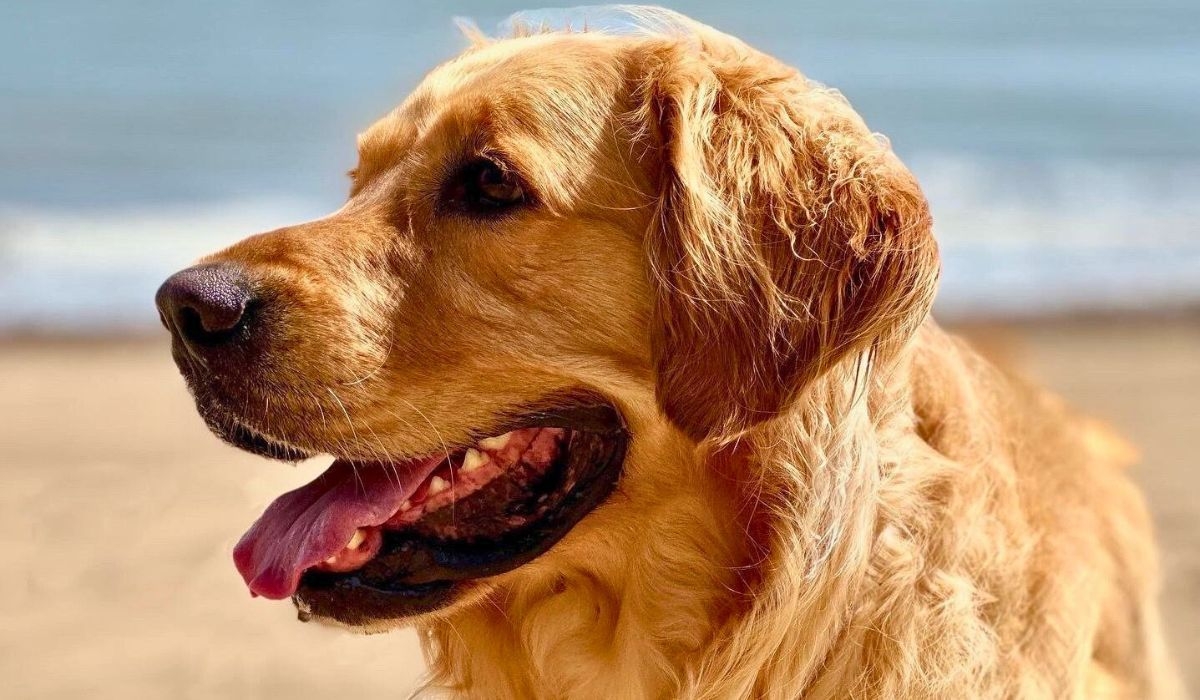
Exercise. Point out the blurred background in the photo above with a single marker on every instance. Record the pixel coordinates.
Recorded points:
(1056, 140)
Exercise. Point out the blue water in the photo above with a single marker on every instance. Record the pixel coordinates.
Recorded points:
(1055, 139)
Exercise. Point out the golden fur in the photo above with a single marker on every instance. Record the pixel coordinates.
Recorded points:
(826, 496)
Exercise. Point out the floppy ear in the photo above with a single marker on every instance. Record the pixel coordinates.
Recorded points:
(788, 238)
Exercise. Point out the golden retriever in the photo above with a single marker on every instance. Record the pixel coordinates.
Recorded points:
(622, 345)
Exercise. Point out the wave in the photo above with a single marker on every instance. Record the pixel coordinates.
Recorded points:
(1017, 238)
(1037, 238)
(96, 271)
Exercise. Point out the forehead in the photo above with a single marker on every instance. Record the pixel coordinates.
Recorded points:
(544, 83)
(556, 60)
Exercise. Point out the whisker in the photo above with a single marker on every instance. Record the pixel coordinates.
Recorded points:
(357, 441)
(386, 356)
(445, 448)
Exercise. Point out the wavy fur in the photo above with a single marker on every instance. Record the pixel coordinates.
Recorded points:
(826, 496)
(914, 523)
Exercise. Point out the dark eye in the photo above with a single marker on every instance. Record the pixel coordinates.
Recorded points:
(486, 186)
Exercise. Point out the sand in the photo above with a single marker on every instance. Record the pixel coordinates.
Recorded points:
(118, 512)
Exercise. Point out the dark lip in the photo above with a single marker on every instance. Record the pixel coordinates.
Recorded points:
(246, 439)
(235, 433)
(416, 574)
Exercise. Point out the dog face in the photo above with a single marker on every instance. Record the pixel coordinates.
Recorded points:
(448, 288)
(566, 261)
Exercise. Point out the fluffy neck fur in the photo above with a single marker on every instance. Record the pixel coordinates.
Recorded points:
(857, 576)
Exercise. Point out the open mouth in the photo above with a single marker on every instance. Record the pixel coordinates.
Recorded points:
(366, 542)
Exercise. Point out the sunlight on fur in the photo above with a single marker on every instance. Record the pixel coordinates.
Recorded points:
(899, 557)
(825, 495)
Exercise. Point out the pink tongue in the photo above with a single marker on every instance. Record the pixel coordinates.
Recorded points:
(314, 522)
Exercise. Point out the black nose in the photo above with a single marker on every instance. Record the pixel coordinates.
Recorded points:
(204, 305)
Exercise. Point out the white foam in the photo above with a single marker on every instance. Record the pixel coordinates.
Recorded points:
(1016, 239)
(95, 271)
(1062, 235)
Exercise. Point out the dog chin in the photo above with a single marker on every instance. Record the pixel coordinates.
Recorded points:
(466, 597)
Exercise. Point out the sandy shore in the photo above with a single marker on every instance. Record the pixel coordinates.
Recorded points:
(118, 512)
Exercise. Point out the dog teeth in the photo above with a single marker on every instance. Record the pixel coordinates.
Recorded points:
(437, 484)
(473, 460)
(331, 560)
(405, 506)
(356, 539)
(495, 444)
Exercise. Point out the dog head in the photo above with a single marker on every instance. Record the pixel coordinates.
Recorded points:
(567, 261)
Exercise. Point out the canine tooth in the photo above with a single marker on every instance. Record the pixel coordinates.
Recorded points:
(497, 443)
(331, 560)
(437, 484)
(356, 539)
(473, 460)
(406, 505)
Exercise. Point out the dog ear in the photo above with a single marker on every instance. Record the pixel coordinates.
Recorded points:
(788, 237)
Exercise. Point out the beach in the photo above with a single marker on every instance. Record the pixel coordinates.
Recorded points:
(1055, 141)
(119, 511)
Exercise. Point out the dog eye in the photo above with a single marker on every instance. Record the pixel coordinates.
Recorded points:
(486, 186)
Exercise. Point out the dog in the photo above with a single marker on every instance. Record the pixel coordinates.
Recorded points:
(622, 346)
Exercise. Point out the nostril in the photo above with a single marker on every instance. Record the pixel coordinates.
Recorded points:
(206, 304)
(194, 326)
(215, 311)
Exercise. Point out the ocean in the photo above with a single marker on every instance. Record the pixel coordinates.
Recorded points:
(1056, 139)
